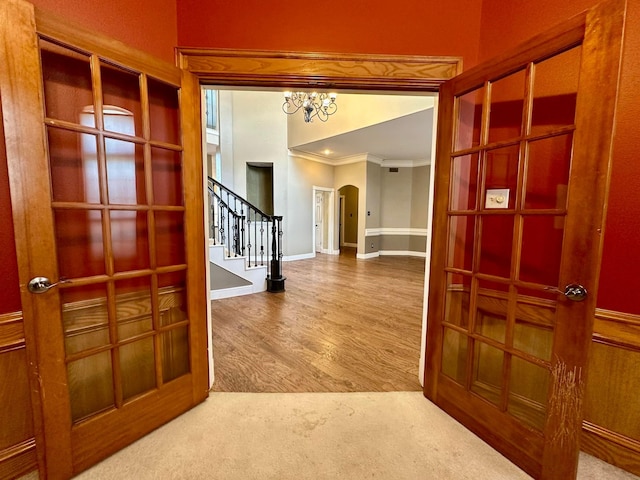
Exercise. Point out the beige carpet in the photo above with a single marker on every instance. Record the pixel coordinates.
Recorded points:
(395, 436)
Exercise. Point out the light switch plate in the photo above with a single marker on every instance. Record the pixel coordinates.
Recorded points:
(497, 198)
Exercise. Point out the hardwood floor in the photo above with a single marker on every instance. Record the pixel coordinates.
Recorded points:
(343, 325)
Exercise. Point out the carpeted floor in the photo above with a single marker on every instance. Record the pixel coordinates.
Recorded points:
(394, 436)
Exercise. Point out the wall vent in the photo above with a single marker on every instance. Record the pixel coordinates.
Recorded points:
(393, 170)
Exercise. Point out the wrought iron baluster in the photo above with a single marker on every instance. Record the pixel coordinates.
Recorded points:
(236, 236)
(229, 240)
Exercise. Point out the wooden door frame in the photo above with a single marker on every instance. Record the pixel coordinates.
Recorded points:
(287, 69)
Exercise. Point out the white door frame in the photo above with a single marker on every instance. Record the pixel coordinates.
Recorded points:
(427, 261)
(343, 199)
(329, 207)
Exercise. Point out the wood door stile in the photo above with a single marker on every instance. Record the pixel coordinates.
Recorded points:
(20, 57)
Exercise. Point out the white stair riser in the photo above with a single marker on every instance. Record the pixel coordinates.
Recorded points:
(238, 265)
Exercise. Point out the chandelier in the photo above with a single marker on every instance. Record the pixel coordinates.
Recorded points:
(314, 105)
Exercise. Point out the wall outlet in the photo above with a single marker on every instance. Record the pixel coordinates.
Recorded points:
(497, 198)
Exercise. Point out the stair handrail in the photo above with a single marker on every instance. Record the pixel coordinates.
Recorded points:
(242, 236)
(237, 248)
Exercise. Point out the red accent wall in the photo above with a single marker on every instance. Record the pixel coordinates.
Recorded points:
(148, 25)
(408, 27)
(504, 25)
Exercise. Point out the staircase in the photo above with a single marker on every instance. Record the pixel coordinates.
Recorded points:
(245, 246)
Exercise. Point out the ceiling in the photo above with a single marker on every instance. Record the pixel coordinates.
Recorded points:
(404, 139)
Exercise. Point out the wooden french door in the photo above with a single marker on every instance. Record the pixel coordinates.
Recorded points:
(521, 180)
(106, 185)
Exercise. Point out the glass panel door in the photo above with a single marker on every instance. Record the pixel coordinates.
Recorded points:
(506, 230)
(115, 157)
(515, 221)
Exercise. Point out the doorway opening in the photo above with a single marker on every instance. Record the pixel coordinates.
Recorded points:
(336, 160)
(260, 185)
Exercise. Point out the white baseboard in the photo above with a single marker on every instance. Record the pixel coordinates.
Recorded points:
(326, 251)
(403, 253)
(417, 232)
(231, 292)
(302, 256)
(352, 245)
(365, 256)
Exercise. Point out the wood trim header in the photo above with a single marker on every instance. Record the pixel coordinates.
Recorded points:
(322, 70)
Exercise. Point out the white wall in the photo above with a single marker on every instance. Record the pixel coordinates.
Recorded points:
(260, 136)
(298, 222)
(420, 201)
(396, 192)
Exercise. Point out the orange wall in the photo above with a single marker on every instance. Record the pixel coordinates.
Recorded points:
(148, 25)
(409, 27)
(504, 25)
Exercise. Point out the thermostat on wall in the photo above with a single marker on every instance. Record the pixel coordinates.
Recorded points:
(497, 198)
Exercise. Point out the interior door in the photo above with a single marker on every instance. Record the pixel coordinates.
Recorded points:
(521, 179)
(103, 142)
(319, 216)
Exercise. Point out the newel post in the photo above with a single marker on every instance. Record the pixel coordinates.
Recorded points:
(275, 281)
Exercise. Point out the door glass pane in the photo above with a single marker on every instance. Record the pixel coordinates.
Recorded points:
(164, 113)
(125, 172)
(487, 371)
(507, 101)
(175, 353)
(85, 318)
(535, 320)
(534, 339)
(555, 90)
(492, 302)
(166, 166)
(121, 99)
(79, 243)
(170, 238)
(137, 367)
(73, 162)
(90, 385)
(172, 297)
(542, 237)
(461, 235)
(529, 385)
(501, 173)
(458, 298)
(464, 182)
(129, 240)
(548, 172)
(67, 82)
(133, 307)
(454, 355)
(468, 124)
(496, 245)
